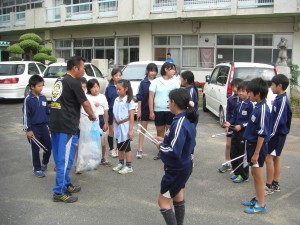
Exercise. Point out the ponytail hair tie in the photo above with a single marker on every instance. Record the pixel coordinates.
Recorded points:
(191, 104)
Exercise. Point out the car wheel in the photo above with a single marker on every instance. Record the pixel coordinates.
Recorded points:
(221, 117)
(204, 104)
(27, 90)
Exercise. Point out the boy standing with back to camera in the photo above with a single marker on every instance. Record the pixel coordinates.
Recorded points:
(257, 136)
(35, 119)
(281, 117)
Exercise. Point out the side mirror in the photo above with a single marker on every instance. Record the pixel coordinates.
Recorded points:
(207, 78)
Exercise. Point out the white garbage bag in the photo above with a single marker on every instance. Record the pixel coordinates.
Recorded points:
(89, 150)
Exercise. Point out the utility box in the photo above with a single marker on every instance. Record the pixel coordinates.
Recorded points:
(102, 64)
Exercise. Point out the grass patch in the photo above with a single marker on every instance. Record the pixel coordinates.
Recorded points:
(200, 100)
(295, 105)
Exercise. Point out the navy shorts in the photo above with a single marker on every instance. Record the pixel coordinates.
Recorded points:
(145, 117)
(250, 148)
(110, 117)
(174, 180)
(124, 146)
(163, 118)
(101, 121)
(276, 144)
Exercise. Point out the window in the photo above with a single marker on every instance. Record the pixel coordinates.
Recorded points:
(128, 50)
(263, 40)
(32, 69)
(97, 72)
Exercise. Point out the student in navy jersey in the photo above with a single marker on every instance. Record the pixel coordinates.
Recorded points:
(111, 94)
(143, 106)
(36, 119)
(257, 136)
(281, 117)
(231, 104)
(176, 149)
(239, 122)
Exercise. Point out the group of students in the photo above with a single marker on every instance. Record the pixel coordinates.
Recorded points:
(256, 134)
(174, 110)
(175, 114)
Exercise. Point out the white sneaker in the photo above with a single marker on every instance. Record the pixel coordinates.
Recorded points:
(125, 170)
(139, 154)
(118, 167)
(113, 153)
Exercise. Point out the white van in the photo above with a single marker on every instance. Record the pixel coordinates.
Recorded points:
(218, 88)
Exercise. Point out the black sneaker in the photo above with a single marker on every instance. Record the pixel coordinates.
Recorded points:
(66, 198)
(276, 186)
(73, 189)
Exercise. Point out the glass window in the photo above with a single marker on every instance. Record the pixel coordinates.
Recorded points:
(89, 70)
(190, 40)
(32, 69)
(133, 41)
(160, 40)
(174, 40)
(242, 55)
(160, 54)
(224, 55)
(67, 43)
(263, 56)
(243, 40)
(206, 57)
(213, 78)
(99, 42)
(87, 43)
(109, 42)
(41, 67)
(225, 40)
(99, 54)
(77, 43)
(189, 57)
(97, 72)
(222, 75)
(263, 39)
(123, 56)
(122, 41)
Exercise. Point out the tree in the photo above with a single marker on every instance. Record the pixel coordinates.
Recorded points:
(30, 45)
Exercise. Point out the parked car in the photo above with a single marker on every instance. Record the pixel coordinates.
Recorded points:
(218, 88)
(135, 72)
(14, 77)
(57, 70)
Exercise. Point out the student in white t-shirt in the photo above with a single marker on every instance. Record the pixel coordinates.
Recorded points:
(100, 108)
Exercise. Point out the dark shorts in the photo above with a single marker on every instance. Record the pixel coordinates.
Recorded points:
(101, 121)
(163, 118)
(276, 145)
(124, 146)
(110, 117)
(174, 180)
(145, 117)
(250, 148)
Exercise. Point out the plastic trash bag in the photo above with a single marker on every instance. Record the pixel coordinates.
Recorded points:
(89, 150)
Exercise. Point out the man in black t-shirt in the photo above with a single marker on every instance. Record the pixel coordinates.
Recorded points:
(67, 99)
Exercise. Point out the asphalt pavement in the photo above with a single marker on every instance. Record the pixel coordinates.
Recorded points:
(109, 198)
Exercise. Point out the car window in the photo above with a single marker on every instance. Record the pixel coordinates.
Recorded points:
(55, 71)
(222, 75)
(32, 69)
(97, 72)
(41, 67)
(249, 73)
(89, 71)
(213, 78)
(11, 69)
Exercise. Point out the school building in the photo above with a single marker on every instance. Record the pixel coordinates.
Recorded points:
(198, 33)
